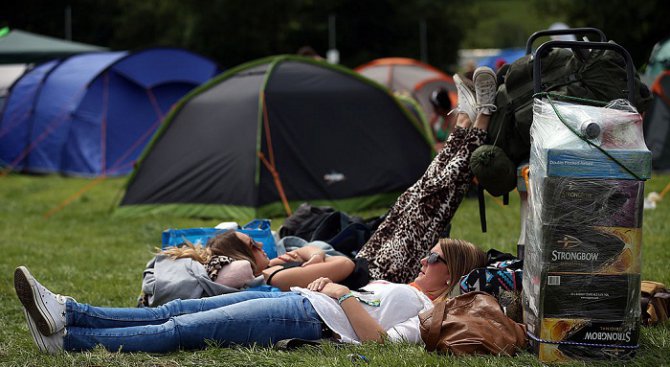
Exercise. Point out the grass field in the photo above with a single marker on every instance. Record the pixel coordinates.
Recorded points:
(84, 251)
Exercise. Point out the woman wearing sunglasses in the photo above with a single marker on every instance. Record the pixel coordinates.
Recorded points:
(380, 311)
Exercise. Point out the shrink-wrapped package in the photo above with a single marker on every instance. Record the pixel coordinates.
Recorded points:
(582, 257)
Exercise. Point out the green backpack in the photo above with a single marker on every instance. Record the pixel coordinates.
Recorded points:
(598, 75)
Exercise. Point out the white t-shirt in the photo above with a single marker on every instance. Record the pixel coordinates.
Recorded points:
(398, 311)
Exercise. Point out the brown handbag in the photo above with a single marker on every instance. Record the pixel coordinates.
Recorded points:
(472, 323)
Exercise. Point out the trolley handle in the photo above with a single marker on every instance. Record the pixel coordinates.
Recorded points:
(555, 32)
(545, 47)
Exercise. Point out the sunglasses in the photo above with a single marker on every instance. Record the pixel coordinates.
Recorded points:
(435, 257)
(255, 245)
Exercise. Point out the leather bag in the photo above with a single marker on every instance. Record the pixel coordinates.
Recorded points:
(655, 303)
(472, 323)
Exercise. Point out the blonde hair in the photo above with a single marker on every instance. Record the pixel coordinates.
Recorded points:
(224, 244)
(461, 257)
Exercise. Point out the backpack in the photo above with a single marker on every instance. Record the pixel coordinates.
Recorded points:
(347, 234)
(503, 272)
(304, 221)
(655, 302)
(598, 75)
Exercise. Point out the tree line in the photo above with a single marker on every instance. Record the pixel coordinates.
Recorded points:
(235, 31)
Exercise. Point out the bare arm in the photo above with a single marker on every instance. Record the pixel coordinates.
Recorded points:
(306, 255)
(365, 327)
(337, 267)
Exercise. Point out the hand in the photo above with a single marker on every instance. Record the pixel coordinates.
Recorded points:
(318, 284)
(290, 257)
(315, 259)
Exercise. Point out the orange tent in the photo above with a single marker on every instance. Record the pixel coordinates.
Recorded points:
(410, 76)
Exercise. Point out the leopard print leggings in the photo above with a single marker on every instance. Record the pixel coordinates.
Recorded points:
(421, 213)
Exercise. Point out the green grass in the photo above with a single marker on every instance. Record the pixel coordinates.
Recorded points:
(85, 252)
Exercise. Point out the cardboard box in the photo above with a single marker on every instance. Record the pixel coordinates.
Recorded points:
(592, 163)
(603, 297)
(601, 250)
(584, 339)
(594, 202)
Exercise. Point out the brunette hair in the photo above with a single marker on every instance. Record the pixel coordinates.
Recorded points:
(461, 257)
(224, 244)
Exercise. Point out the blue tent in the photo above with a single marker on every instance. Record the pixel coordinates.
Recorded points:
(92, 114)
(508, 54)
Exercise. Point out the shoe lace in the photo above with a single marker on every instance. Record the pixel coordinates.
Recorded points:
(487, 92)
(492, 107)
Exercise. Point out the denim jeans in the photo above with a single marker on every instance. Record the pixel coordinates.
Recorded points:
(241, 318)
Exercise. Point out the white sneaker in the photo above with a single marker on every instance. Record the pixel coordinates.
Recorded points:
(466, 97)
(486, 87)
(51, 344)
(46, 308)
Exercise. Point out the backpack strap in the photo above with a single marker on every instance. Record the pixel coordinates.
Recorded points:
(482, 207)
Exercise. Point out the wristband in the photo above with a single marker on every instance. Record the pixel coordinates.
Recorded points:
(345, 297)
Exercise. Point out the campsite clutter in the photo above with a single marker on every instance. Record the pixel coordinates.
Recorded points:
(267, 135)
(264, 137)
(92, 114)
(581, 281)
(598, 75)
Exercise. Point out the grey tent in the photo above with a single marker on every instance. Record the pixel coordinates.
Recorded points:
(24, 47)
(276, 132)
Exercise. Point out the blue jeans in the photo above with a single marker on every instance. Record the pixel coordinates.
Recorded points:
(241, 318)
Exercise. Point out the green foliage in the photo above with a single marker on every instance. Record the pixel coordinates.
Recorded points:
(635, 25)
(85, 252)
(236, 31)
(503, 24)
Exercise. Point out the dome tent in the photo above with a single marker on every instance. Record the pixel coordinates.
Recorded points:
(91, 114)
(413, 77)
(277, 132)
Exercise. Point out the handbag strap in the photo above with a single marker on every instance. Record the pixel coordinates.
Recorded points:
(435, 326)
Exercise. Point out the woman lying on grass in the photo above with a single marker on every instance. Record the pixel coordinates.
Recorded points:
(379, 311)
(234, 259)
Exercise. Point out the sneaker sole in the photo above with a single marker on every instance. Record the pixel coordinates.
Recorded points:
(24, 283)
(36, 334)
(484, 71)
(472, 101)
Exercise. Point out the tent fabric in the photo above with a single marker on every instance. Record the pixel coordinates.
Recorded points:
(17, 112)
(509, 55)
(91, 114)
(8, 74)
(412, 77)
(25, 47)
(329, 136)
(657, 123)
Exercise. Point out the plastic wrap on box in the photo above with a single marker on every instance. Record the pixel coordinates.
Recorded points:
(602, 297)
(594, 202)
(579, 295)
(587, 249)
(557, 150)
(583, 229)
(578, 337)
